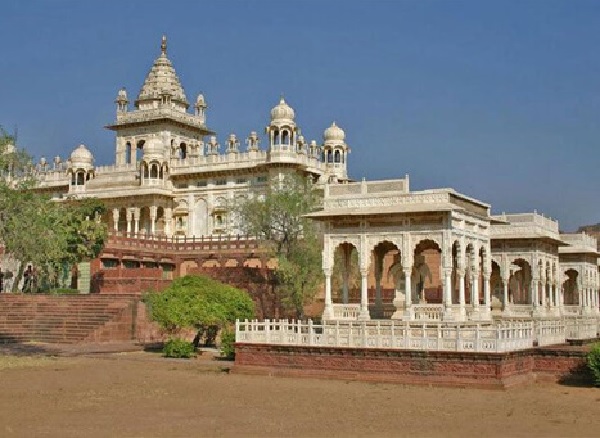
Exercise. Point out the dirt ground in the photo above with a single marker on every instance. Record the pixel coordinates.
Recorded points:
(140, 394)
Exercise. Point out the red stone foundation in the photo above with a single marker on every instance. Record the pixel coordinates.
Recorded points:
(484, 370)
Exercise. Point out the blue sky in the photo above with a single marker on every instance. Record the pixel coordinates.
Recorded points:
(497, 99)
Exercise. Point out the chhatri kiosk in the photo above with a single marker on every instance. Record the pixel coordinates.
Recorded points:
(434, 270)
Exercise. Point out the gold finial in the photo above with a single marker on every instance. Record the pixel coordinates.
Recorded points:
(163, 45)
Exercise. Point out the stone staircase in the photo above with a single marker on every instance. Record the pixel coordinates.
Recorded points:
(67, 318)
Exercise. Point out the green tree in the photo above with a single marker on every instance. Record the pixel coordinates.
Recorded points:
(35, 229)
(278, 216)
(14, 162)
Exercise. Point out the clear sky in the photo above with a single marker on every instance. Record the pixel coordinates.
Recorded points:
(499, 100)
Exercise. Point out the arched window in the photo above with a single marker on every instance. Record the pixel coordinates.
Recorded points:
(139, 150)
(128, 153)
(322, 157)
(285, 137)
(73, 179)
(80, 178)
(329, 156)
(154, 170)
(336, 157)
(182, 151)
(145, 167)
(276, 137)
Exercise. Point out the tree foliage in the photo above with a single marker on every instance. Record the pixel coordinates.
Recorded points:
(37, 230)
(593, 361)
(13, 161)
(195, 302)
(278, 216)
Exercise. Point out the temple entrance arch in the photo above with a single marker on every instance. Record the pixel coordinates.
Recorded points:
(427, 272)
(519, 283)
(346, 274)
(571, 291)
(384, 255)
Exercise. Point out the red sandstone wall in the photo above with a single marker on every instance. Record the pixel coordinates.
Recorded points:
(493, 370)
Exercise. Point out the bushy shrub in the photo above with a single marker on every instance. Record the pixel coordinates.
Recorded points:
(178, 348)
(227, 341)
(593, 360)
(194, 302)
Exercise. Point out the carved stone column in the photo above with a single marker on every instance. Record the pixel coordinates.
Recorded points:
(364, 297)
(505, 297)
(168, 221)
(328, 312)
(153, 215)
(378, 274)
(448, 312)
(461, 292)
(129, 220)
(115, 215)
(136, 218)
(487, 295)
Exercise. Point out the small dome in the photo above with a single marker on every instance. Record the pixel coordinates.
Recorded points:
(81, 156)
(334, 133)
(200, 100)
(9, 148)
(282, 112)
(153, 150)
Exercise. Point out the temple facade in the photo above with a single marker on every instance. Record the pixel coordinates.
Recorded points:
(172, 177)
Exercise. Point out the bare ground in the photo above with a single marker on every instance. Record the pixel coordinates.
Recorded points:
(141, 395)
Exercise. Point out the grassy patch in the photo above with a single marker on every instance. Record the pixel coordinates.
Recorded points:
(8, 362)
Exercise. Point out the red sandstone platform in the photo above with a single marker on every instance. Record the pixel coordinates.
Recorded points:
(441, 368)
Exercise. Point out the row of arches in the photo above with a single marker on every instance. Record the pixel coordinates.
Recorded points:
(469, 282)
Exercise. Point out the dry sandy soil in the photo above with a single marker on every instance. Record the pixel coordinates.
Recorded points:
(142, 395)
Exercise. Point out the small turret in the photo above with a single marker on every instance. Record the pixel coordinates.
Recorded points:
(200, 108)
(122, 101)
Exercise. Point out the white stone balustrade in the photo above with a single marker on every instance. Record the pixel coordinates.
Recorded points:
(582, 328)
(346, 312)
(394, 335)
(428, 312)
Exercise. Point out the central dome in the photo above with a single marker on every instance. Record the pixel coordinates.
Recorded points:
(162, 80)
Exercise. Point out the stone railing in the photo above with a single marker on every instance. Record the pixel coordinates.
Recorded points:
(133, 167)
(522, 310)
(582, 328)
(390, 335)
(571, 310)
(147, 241)
(346, 312)
(580, 241)
(366, 188)
(387, 200)
(428, 312)
(159, 113)
(549, 332)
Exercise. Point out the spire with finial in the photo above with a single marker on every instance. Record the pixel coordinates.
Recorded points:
(163, 46)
